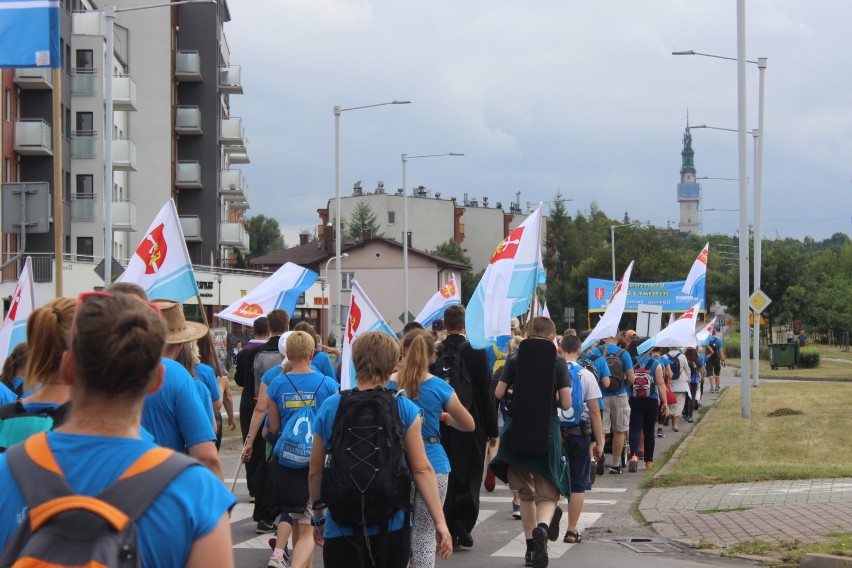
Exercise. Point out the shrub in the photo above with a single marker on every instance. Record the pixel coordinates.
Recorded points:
(809, 358)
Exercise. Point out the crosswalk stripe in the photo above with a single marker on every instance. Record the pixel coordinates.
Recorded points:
(484, 514)
(229, 480)
(260, 542)
(600, 502)
(517, 547)
(609, 490)
(241, 511)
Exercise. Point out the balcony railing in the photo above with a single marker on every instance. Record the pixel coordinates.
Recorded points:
(191, 226)
(33, 78)
(123, 93)
(123, 215)
(231, 133)
(84, 144)
(188, 66)
(124, 155)
(188, 174)
(83, 82)
(90, 22)
(233, 186)
(188, 120)
(33, 137)
(234, 235)
(239, 157)
(84, 207)
(230, 81)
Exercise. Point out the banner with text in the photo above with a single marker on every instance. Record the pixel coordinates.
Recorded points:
(665, 294)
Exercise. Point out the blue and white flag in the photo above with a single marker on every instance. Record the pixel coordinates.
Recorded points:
(679, 334)
(279, 291)
(363, 317)
(608, 324)
(161, 262)
(698, 272)
(14, 328)
(448, 295)
(29, 33)
(508, 285)
(702, 336)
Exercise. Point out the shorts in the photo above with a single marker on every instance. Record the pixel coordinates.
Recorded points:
(303, 518)
(577, 450)
(616, 414)
(533, 487)
(714, 367)
(676, 408)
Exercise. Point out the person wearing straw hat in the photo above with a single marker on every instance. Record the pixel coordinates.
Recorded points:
(175, 414)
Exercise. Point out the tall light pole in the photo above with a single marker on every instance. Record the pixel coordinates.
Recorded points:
(745, 402)
(405, 158)
(337, 222)
(758, 175)
(335, 257)
(109, 13)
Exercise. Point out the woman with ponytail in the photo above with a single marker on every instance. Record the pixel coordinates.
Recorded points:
(438, 404)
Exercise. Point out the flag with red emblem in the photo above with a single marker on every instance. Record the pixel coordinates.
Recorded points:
(279, 291)
(448, 295)
(161, 262)
(14, 328)
(363, 317)
(608, 324)
(679, 334)
(697, 273)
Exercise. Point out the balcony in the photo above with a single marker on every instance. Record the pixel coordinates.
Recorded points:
(240, 157)
(84, 144)
(232, 134)
(188, 120)
(123, 93)
(33, 137)
(84, 207)
(188, 66)
(90, 23)
(83, 82)
(233, 186)
(191, 227)
(238, 205)
(41, 79)
(123, 155)
(188, 175)
(234, 235)
(229, 80)
(123, 215)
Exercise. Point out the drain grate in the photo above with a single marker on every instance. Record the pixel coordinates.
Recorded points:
(648, 546)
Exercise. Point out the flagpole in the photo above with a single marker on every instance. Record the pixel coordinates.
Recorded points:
(58, 183)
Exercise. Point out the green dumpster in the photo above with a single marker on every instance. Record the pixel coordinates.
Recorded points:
(783, 355)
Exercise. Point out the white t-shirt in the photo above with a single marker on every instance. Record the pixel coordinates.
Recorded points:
(591, 389)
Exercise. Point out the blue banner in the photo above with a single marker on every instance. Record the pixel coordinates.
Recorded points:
(665, 294)
(29, 33)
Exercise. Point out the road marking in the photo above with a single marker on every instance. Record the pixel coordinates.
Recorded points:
(517, 547)
(229, 480)
(484, 514)
(600, 502)
(260, 542)
(608, 490)
(241, 511)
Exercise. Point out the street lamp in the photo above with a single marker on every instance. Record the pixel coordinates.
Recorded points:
(322, 285)
(405, 158)
(337, 221)
(109, 13)
(758, 184)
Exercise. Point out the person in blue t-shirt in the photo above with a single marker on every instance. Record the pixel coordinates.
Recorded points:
(438, 404)
(288, 392)
(616, 411)
(113, 362)
(715, 353)
(374, 355)
(645, 407)
(13, 368)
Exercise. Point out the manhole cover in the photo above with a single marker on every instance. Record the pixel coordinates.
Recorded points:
(649, 547)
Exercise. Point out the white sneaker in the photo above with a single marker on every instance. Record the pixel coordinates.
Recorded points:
(277, 563)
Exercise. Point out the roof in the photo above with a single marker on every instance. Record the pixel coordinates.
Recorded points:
(311, 255)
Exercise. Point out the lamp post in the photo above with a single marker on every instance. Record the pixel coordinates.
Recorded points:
(405, 158)
(109, 13)
(758, 182)
(337, 222)
(335, 257)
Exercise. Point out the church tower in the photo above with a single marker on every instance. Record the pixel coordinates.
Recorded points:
(688, 191)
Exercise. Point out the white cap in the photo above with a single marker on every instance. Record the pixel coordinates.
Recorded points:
(282, 344)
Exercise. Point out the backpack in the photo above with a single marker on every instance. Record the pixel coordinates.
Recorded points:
(75, 530)
(616, 368)
(588, 365)
(714, 346)
(263, 361)
(674, 365)
(293, 448)
(366, 479)
(571, 417)
(451, 367)
(643, 380)
(16, 424)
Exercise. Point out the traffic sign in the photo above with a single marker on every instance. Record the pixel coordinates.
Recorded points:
(758, 301)
(117, 269)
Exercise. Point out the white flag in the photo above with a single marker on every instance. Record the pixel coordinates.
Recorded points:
(280, 291)
(698, 272)
(363, 317)
(679, 334)
(14, 328)
(608, 324)
(703, 336)
(161, 262)
(448, 295)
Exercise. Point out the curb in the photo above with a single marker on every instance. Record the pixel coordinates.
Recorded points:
(825, 561)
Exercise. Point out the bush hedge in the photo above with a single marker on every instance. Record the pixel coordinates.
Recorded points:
(809, 358)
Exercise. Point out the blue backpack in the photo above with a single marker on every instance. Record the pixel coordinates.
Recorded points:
(293, 448)
(571, 417)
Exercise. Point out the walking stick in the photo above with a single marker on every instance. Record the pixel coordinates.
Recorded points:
(239, 466)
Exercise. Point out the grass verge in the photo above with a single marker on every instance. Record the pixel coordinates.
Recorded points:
(809, 436)
(786, 553)
(834, 364)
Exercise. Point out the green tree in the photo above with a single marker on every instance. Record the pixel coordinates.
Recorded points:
(363, 220)
(264, 235)
(451, 250)
(557, 260)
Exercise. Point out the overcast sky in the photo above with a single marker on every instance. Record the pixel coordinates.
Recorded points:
(544, 96)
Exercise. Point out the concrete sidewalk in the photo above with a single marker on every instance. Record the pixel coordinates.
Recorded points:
(726, 514)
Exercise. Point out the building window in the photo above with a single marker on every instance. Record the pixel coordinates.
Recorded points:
(7, 105)
(85, 186)
(344, 315)
(391, 217)
(85, 249)
(346, 279)
(85, 59)
(85, 122)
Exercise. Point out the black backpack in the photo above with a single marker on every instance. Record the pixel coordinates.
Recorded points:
(366, 478)
(616, 368)
(674, 365)
(451, 367)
